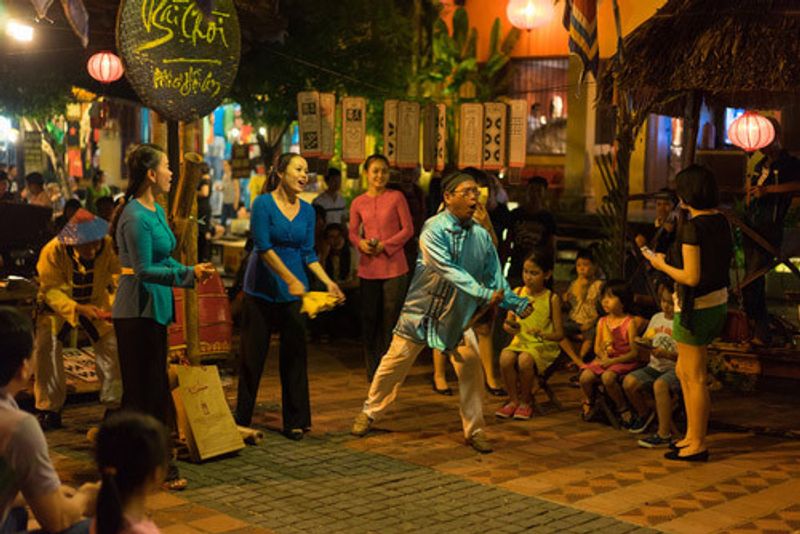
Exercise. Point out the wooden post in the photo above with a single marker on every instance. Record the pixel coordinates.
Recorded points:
(691, 126)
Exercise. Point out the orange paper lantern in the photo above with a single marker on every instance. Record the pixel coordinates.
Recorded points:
(751, 132)
(529, 14)
(105, 67)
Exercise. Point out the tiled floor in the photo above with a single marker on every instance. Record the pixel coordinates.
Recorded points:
(751, 484)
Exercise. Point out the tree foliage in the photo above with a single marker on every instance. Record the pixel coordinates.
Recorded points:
(357, 47)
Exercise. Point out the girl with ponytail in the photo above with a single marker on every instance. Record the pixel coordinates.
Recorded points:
(131, 454)
(144, 305)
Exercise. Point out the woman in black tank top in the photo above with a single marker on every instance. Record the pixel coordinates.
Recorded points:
(700, 272)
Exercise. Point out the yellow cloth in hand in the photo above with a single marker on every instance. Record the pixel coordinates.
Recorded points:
(315, 302)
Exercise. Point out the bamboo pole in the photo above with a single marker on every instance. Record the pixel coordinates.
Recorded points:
(184, 220)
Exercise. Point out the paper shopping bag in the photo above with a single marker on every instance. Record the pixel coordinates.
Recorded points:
(203, 414)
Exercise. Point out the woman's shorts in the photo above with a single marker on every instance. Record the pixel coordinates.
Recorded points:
(707, 325)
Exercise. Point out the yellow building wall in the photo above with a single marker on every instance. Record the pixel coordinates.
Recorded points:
(551, 40)
(582, 176)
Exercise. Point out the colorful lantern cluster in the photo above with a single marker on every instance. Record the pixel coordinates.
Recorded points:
(751, 132)
(105, 67)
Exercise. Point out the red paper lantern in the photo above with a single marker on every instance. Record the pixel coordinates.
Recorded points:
(529, 14)
(751, 132)
(105, 67)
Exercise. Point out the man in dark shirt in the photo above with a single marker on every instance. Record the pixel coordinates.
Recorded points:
(530, 226)
(772, 186)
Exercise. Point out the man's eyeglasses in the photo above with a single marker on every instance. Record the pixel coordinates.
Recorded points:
(468, 192)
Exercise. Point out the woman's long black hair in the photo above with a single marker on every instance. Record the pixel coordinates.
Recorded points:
(130, 448)
(143, 158)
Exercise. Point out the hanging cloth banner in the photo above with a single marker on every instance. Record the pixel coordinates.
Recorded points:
(429, 136)
(470, 143)
(441, 136)
(407, 135)
(327, 109)
(354, 129)
(390, 131)
(494, 136)
(308, 117)
(42, 6)
(517, 133)
(78, 18)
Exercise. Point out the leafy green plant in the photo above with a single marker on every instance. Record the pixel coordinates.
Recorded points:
(451, 70)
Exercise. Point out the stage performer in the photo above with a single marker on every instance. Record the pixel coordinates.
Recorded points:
(380, 226)
(76, 275)
(144, 304)
(457, 272)
(701, 273)
(282, 226)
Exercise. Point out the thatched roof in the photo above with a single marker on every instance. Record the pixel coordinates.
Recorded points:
(741, 53)
(56, 56)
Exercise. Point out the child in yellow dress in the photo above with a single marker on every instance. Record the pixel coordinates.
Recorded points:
(535, 344)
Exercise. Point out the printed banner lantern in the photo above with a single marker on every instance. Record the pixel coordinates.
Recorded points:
(494, 136)
(441, 136)
(390, 131)
(32, 148)
(429, 136)
(308, 117)
(407, 135)
(517, 133)
(470, 143)
(354, 129)
(327, 111)
(180, 62)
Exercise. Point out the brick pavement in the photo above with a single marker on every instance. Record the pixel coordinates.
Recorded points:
(414, 473)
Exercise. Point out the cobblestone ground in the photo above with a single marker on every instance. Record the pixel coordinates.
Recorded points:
(414, 473)
(319, 485)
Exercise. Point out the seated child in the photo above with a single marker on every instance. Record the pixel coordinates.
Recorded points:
(131, 454)
(535, 344)
(340, 261)
(616, 354)
(582, 296)
(658, 375)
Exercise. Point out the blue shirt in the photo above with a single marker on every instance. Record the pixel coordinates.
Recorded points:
(292, 241)
(457, 271)
(145, 243)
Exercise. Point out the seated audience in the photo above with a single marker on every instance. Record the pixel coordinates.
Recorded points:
(582, 296)
(6, 195)
(659, 376)
(131, 454)
(535, 344)
(615, 352)
(340, 260)
(28, 477)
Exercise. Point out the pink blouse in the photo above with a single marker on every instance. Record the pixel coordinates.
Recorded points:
(386, 218)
